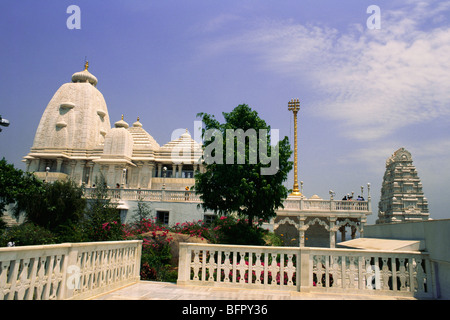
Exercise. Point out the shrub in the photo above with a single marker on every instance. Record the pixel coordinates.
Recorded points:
(131, 230)
(229, 230)
(155, 261)
(29, 234)
(194, 228)
(272, 239)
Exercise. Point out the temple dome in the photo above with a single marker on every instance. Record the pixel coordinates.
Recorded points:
(76, 118)
(121, 124)
(85, 76)
(118, 142)
(137, 123)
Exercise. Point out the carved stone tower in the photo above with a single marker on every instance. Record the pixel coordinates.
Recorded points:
(402, 198)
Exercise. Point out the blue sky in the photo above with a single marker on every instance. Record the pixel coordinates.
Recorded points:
(364, 93)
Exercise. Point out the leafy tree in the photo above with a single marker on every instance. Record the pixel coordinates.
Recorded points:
(142, 211)
(101, 211)
(58, 205)
(28, 234)
(240, 186)
(16, 186)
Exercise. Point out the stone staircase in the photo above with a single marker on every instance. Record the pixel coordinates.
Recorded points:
(10, 221)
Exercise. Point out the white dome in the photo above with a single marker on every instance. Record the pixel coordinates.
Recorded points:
(75, 118)
(85, 76)
(118, 142)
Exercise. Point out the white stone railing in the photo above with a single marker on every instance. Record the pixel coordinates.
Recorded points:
(148, 195)
(326, 205)
(68, 270)
(307, 269)
(191, 196)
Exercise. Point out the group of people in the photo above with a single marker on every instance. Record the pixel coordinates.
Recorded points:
(350, 197)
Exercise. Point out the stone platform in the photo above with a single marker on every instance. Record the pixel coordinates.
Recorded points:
(150, 290)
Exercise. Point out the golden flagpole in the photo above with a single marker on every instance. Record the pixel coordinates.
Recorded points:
(294, 106)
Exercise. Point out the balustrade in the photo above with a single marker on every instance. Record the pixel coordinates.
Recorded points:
(191, 196)
(306, 269)
(148, 195)
(325, 205)
(67, 271)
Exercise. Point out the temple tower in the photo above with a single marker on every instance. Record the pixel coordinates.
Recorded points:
(71, 131)
(402, 198)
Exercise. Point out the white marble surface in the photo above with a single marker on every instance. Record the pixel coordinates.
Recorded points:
(152, 290)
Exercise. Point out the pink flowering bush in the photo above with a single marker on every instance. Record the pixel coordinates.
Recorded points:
(155, 261)
(193, 229)
(109, 231)
(157, 240)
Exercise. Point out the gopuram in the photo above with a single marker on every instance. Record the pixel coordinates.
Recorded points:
(402, 198)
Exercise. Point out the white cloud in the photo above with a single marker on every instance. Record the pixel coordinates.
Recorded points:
(371, 81)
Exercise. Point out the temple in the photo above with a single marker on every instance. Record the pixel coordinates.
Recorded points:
(402, 198)
(74, 140)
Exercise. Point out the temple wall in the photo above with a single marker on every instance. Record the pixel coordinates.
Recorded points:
(179, 212)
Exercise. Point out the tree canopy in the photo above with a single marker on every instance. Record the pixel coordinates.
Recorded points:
(16, 185)
(56, 204)
(241, 175)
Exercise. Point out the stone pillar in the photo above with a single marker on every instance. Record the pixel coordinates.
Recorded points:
(91, 174)
(174, 170)
(27, 162)
(180, 171)
(303, 268)
(332, 232)
(34, 165)
(301, 230)
(111, 176)
(78, 175)
(343, 233)
(353, 232)
(73, 163)
(151, 168)
(139, 168)
(159, 170)
(59, 162)
(362, 222)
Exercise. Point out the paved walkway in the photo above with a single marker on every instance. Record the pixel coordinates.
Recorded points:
(150, 290)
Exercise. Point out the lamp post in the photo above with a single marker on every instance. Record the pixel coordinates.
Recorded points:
(294, 106)
(47, 169)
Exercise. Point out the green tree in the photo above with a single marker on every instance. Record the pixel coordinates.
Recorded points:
(240, 186)
(101, 213)
(142, 211)
(57, 206)
(16, 186)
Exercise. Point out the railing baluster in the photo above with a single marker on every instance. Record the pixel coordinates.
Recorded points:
(336, 270)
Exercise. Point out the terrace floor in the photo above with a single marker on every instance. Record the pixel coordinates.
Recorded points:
(151, 290)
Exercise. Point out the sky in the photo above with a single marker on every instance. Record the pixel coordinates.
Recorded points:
(364, 92)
